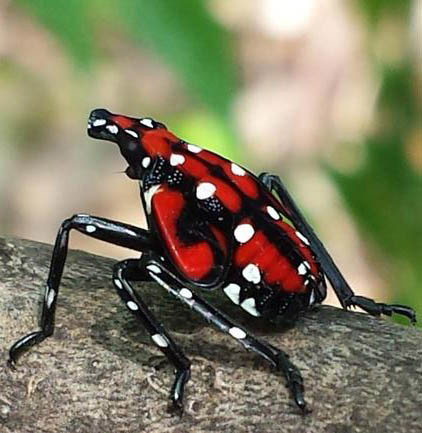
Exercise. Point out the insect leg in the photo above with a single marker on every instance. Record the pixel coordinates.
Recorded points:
(276, 357)
(341, 287)
(126, 270)
(114, 232)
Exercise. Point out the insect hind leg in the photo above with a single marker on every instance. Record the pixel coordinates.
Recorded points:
(276, 357)
(100, 228)
(341, 287)
(130, 269)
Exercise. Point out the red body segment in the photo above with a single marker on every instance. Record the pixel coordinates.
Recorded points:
(195, 261)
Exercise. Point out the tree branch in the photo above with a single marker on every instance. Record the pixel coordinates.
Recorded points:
(100, 372)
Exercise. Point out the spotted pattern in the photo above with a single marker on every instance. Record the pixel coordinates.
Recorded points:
(243, 233)
(238, 171)
(132, 133)
(205, 190)
(113, 129)
(146, 162)
(146, 121)
(132, 306)
(154, 268)
(273, 213)
(301, 269)
(50, 297)
(99, 122)
(194, 149)
(302, 238)
(160, 340)
(237, 333)
(233, 292)
(249, 306)
(176, 159)
(186, 293)
(251, 273)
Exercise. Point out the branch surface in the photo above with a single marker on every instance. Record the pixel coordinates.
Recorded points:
(100, 372)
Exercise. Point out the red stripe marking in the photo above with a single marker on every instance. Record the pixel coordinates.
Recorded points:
(194, 261)
(157, 142)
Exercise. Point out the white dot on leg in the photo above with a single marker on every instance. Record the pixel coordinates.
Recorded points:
(118, 284)
(237, 333)
(186, 293)
(160, 340)
(90, 229)
(154, 268)
(50, 297)
(132, 306)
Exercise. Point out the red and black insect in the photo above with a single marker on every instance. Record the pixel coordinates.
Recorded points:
(212, 224)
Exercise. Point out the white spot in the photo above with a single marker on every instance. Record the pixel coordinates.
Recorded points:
(118, 284)
(99, 122)
(251, 273)
(233, 291)
(132, 133)
(194, 149)
(249, 305)
(237, 333)
(146, 121)
(302, 238)
(238, 171)
(307, 264)
(301, 269)
(243, 233)
(273, 213)
(146, 162)
(50, 297)
(312, 297)
(90, 229)
(113, 129)
(160, 340)
(132, 306)
(205, 190)
(176, 159)
(154, 268)
(186, 293)
(148, 197)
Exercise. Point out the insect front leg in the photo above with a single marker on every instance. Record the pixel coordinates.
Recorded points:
(113, 232)
(341, 287)
(276, 357)
(129, 269)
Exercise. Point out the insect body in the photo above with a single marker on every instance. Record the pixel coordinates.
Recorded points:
(212, 224)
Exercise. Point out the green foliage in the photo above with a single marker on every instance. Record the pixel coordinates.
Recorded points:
(70, 22)
(181, 32)
(385, 195)
(186, 37)
(375, 9)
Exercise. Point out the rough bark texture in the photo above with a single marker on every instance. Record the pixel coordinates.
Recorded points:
(100, 372)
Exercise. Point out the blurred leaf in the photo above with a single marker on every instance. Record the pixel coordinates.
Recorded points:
(70, 22)
(385, 195)
(185, 36)
(375, 9)
(207, 131)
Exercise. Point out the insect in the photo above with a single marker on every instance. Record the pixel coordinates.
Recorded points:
(212, 224)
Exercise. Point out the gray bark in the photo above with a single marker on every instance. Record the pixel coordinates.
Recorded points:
(100, 372)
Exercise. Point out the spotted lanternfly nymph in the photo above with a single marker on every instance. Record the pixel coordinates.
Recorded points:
(212, 224)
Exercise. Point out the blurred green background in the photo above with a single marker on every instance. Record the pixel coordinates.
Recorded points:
(325, 94)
